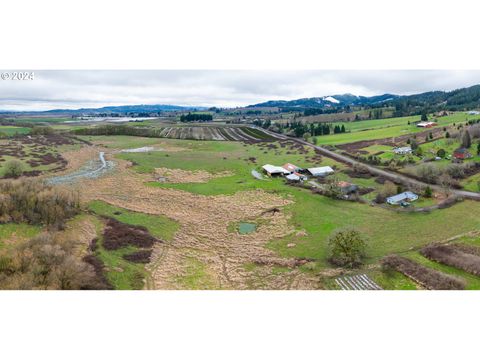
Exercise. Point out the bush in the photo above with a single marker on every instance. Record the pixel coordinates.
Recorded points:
(388, 189)
(428, 173)
(441, 153)
(427, 277)
(46, 263)
(118, 235)
(347, 248)
(453, 256)
(34, 202)
(13, 169)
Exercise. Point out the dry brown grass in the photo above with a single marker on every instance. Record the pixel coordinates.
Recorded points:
(203, 233)
(184, 176)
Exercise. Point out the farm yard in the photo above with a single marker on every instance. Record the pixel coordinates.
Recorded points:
(192, 206)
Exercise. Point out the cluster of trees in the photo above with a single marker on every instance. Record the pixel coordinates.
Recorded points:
(318, 129)
(42, 130)
(46, 262)
(32, 201)
(447, 176)
(119, 130)
(191, 117)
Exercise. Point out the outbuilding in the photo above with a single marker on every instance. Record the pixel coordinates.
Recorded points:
(398, 199)
(461, 153)
(426, 124)
(273, 170)
(321, 171)
(347, 188)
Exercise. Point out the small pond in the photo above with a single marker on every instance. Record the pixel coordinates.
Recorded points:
(246, 228)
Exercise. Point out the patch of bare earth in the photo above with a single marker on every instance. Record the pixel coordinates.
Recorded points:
(184, 176)
(203, 233)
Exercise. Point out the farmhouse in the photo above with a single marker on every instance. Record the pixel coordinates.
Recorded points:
(461, 153)
(321, 171)
(426, 124)
(402, 150)
(273, 170)
(401, 198)
(347, 188)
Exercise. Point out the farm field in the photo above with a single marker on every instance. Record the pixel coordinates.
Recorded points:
(387, 128)
(193, 196)
(6, 131)
(317, 215)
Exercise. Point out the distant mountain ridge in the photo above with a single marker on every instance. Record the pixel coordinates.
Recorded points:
(122, 109)
(328, 101)
(455, 100)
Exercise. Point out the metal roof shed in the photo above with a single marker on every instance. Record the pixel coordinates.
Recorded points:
(321, 171)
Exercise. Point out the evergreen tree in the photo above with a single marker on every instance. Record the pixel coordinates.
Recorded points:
(466, 140)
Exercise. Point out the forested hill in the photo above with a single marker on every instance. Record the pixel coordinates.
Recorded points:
(460, 99)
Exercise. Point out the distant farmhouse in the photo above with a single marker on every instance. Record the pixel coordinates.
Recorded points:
(320, 171)
(461, 154)
(347, 188)
(399, 199)
(426, 124)
(402, 150)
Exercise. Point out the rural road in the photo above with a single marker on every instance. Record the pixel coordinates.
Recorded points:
(393, 176)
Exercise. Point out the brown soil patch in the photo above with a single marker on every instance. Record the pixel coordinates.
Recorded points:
(203, 233)
(184, 176)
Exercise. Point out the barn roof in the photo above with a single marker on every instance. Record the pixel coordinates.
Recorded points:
(322, 170)
(272, 169)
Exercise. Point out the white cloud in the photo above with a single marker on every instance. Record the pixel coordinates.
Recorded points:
(229, 88)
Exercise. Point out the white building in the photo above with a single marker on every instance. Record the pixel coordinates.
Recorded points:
(321, 171)
(400, 198)
(402, 150)
(273, 170)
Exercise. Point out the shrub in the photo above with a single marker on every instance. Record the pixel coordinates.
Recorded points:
(441, 153)
(118, 235)
(428, 192)
(34, 202)
(13, 169)
(388, 189)
(452, 256)
(427, 277)
(48, 263)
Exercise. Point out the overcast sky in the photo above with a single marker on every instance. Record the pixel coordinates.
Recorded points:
(72, 89)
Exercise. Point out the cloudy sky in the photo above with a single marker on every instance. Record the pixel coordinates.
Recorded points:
(72, 89)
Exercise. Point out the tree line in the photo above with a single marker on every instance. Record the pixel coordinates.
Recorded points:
(193, 117)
